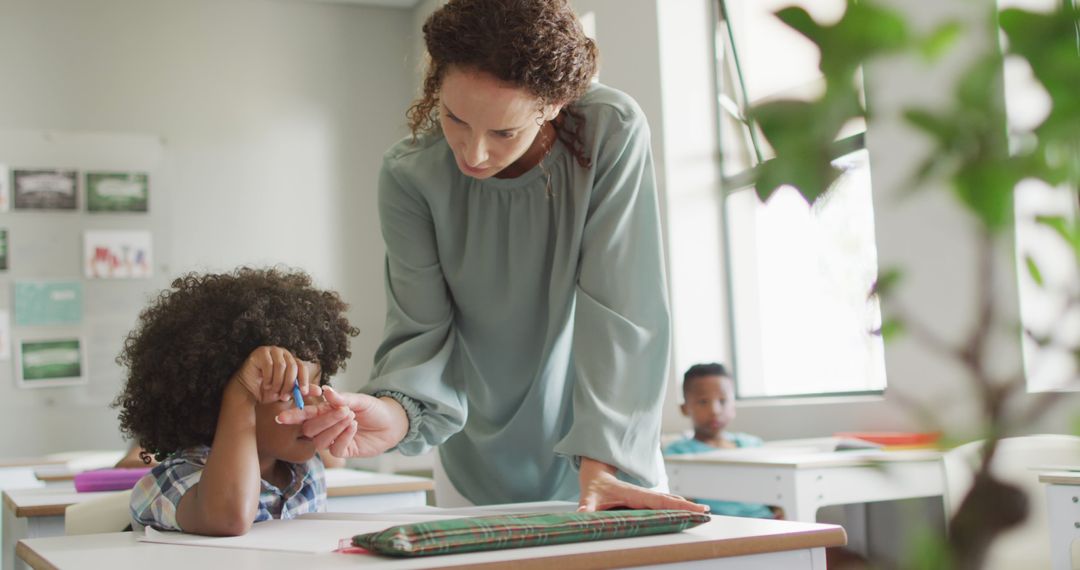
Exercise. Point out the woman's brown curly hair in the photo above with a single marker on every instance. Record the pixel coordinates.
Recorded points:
(191, 339)
(536, 45)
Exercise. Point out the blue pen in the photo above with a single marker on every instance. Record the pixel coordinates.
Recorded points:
(299, 399)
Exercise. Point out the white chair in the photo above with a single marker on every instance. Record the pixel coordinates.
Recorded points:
(1027, 546)
(109, 513)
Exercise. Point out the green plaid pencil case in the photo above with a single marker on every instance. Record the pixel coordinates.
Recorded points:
(517, 531)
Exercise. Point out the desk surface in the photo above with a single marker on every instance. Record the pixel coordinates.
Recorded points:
(800, 458)
(1060, 477)
(72, 460)
(721, 537)
(51, 501)
(30, 461)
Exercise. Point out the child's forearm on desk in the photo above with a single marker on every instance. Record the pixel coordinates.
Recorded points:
(225, 500)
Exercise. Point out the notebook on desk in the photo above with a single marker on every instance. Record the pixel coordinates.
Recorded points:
(310, 536)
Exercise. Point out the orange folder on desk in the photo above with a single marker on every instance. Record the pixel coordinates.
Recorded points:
(890, 440)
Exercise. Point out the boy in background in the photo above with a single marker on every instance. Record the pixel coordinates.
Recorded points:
(211, 363)
(709, 402)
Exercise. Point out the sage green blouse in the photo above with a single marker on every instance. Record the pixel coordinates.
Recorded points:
(527, 320)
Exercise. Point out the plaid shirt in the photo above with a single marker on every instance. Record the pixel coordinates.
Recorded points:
(156, 496)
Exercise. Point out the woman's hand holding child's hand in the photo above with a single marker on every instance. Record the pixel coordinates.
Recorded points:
(351, 425)
(269, 371)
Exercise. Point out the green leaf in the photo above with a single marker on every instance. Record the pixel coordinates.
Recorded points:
(929, 551)
(800, 133)
(1059, 224)
(1076, 424)
(891, 329)
(986, 186)
(939, 128)
(934, 45)
(1033, 270)
(864, 30)
(1069, 230)
(886, 282)
(800, 20)
(1048, 41)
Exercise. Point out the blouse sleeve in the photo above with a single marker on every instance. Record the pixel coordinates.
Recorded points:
(621, 337)
(418, 339)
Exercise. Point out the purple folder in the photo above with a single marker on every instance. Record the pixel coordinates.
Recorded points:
(112, 479)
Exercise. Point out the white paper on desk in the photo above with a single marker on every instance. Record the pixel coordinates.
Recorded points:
(296, 535)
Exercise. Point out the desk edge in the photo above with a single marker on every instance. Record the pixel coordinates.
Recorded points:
(31, 557)
(381, 489)
(675, 553)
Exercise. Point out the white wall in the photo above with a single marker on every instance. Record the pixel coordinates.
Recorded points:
(275, 116)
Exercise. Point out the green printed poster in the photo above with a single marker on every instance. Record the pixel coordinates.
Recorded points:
(51, 362)
(46, 303)
(3, 250)
(117, 191)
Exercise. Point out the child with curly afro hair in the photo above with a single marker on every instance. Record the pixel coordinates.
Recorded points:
(211, 362)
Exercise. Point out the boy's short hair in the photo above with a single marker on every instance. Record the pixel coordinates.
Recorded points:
(702, 370)
(190, 340)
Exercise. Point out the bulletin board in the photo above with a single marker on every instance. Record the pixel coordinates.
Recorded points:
(84, 244)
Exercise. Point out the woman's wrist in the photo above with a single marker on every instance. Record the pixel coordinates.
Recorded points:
(408, 415)
(399, 419)
(592, 465)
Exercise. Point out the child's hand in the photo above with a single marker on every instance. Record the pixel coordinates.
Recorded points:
(269, 372)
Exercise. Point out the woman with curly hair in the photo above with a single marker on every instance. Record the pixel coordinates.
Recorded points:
(527, 332)
(211, 362)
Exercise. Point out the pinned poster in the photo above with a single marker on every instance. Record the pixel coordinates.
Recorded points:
(53, 189)
(117, 255)
(52, 362)
(48, 303)
(5, 335)
(117, 191)
(3, 249)
(5, 188)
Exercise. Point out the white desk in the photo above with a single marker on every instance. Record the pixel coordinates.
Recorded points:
(1063, 511)
(801, 482)
(31, 513)
(723, 543)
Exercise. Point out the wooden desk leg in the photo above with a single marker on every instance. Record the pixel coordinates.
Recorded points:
(1063, 511)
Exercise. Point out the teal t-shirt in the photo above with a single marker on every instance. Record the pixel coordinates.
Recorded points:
(729, 508)
(528, 316)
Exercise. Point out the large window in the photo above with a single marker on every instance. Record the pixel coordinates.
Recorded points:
(798, 274)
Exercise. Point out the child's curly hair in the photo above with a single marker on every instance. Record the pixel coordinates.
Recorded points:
(536, 45)
(191, 339)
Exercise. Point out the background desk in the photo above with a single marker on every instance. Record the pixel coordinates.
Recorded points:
(724, 542)
(1063, 511)
(801, 482)
(30, 513)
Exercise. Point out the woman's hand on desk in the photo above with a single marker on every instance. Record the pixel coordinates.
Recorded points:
(351, 425)
(601, 490)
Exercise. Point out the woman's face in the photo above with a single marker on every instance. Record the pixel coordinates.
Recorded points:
(488, 124)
